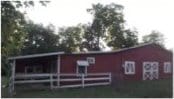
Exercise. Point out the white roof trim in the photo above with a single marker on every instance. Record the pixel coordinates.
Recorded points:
(36, 55)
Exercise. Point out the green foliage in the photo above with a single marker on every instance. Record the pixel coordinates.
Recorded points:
(155, 37)
(90, 41)
(126, 38)
(12, 33)
(70, 38)
(108, 25)
(39, 39)
(104, 17)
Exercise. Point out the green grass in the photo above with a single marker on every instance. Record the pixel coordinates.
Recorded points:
(132, 89)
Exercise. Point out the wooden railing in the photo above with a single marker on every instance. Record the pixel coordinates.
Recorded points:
(65, 80)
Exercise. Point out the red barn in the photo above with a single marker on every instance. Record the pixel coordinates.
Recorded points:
(141, 62)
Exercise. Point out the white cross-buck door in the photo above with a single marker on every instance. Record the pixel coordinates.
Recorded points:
(150, 70)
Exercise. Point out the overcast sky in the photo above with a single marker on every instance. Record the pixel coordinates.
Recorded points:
(144, 15)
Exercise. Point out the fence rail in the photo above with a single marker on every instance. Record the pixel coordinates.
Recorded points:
(90, 79)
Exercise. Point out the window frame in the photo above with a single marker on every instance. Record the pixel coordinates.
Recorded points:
(129, 72)
(167, 67)
(91, 60)
(34, 69)
(77, 70)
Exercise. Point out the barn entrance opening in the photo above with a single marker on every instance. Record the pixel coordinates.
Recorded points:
(150, 70)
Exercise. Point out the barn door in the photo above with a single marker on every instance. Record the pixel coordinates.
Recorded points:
(150, 70)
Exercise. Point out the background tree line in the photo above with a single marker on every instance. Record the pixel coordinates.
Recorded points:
(21, 37)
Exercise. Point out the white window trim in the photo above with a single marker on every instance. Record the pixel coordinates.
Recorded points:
(91, 58)
(167, 67)
(125, 66)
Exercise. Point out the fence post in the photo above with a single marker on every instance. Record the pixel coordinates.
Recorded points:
(51, 81)
(110, 78)
(58, 80)
(83, 82)
(10, 87)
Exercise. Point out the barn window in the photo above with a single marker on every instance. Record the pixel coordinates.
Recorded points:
(91, 60)
(82, 67)
(33, 69)
(29, 69)
(129, 67)
(167, 67)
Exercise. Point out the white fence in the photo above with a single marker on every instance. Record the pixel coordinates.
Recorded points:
(65, 80)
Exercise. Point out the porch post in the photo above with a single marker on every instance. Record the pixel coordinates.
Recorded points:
(12, 78)
(58, 71)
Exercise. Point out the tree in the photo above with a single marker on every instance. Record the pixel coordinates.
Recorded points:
(131, 38)
(108, 25)
(155, 37)
(40, 39)
(126, 38)
(12, 34)
(70, 38)
(89, 39)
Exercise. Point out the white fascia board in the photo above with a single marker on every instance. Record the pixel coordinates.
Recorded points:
(35, 55)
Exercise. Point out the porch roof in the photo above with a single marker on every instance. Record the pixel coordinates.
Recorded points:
(35, 55)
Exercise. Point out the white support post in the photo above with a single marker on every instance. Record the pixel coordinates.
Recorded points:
(83, 81)
(110, 78)
(12, 78)
(13, 74)
(58, 72)
(51, 81)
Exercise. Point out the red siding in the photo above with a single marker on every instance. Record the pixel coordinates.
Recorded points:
(112, 62)
(108, 62)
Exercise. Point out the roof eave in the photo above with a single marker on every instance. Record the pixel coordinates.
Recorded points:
(35, 55)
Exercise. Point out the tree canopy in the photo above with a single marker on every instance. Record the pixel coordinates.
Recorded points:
(70, 38)
(39, 39)
(108, 25)
(155, 37)
(12, 33)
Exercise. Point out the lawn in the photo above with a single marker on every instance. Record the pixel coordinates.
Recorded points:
(132, 89)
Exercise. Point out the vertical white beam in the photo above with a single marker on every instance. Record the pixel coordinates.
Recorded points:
(110, 78)
(58, 71)
(83, 81)
(51, 81)
(13, 73)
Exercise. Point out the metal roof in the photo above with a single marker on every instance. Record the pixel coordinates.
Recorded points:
(90, 52)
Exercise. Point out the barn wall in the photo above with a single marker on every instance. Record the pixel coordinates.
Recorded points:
(113, 62)
(147, 53)
(103, 63)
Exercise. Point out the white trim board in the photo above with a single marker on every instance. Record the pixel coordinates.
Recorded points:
(36, 55)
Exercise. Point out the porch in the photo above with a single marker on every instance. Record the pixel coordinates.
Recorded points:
(44, 69)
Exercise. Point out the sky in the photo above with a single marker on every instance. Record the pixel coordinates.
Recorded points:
(144, 15)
